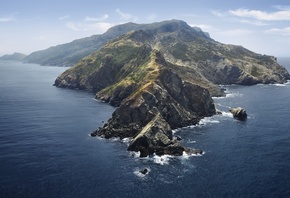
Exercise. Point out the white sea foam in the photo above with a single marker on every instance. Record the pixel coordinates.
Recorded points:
(162, 160)
(228, 95)
(115, 139)
(191, 141)
(220, 105)
(126, 141)
(280, 85)
(175, 131)
(192, 126)
(208, 120)
(186, 156)
(227, 114)
(233, 95)
(135, 154)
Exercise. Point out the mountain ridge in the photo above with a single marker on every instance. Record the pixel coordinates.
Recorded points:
(68, 54)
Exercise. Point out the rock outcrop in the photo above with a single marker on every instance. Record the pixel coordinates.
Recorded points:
(239, 113)
(152, 111)
(144, 171)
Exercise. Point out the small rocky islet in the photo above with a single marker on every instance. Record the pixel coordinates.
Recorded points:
(162, 77)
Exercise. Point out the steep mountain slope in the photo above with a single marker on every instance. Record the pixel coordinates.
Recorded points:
(70, 53)
(163, 78)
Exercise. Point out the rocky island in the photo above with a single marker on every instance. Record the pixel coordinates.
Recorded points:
(162, 77)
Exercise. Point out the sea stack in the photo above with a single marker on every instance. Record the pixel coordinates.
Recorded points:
(239, 113)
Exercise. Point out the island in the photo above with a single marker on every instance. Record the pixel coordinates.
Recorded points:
(16, 56)
(163, 77)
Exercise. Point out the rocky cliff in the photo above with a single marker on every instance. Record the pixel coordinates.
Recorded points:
(163, 78)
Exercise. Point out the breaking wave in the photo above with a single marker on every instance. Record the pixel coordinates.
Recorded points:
(227, 114)
(280, 85)
(233, 95)
(162, 160)
(208, 120)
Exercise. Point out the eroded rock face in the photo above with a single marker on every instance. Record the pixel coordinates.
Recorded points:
(239, 113)
(155, 136)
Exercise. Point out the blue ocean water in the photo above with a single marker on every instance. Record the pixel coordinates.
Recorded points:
(45, 149)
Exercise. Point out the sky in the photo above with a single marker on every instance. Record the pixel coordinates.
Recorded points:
(262, 26)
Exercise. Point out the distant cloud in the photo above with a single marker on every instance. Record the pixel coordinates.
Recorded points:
(98, 27)
(64, 17)
(281, 7)
(90, 24)
(126, 16)
(254, 22)
(102, 18)
(8, 18)
(40, 38)
(189, 15)
(218, 13)
(280, 15)
(151, 17)
(235, 33)
(102, 27)
(279, 31)
(204, 27)
(73, 26)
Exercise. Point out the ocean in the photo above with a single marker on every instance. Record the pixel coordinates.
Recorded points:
(46, 150)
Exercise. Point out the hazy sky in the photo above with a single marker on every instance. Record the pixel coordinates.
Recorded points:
(262, 26)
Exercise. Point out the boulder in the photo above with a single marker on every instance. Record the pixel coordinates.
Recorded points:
(144, 171)
(239, 113)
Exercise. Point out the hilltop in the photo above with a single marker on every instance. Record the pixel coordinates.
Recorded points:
(162, 78)
(15, 56)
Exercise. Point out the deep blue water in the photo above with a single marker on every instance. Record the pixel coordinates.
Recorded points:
(45, 150)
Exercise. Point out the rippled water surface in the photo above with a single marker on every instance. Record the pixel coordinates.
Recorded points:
(45, 150)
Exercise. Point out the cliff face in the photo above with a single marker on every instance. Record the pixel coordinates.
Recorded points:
(163, 78)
